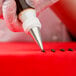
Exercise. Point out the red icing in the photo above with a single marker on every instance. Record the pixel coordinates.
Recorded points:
(26, 59)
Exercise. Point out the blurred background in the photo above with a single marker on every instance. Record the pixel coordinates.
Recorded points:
(52, 30)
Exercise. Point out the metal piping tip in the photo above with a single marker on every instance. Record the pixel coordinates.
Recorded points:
(36, 35)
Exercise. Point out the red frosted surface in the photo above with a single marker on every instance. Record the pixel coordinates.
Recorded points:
(26, 59)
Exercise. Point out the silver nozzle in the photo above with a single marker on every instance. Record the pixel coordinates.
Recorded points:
(36, 35)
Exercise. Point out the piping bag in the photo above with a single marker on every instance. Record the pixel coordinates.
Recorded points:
(30, 23)
(27, 11)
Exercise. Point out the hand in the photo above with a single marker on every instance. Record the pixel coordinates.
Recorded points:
(9, 14)
(10, 17)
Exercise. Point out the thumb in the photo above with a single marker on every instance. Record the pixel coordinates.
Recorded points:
(9, 14)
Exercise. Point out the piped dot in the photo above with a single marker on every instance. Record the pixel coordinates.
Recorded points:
(62, 49)
(52, 50)
(70, 49)
(43, 50)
